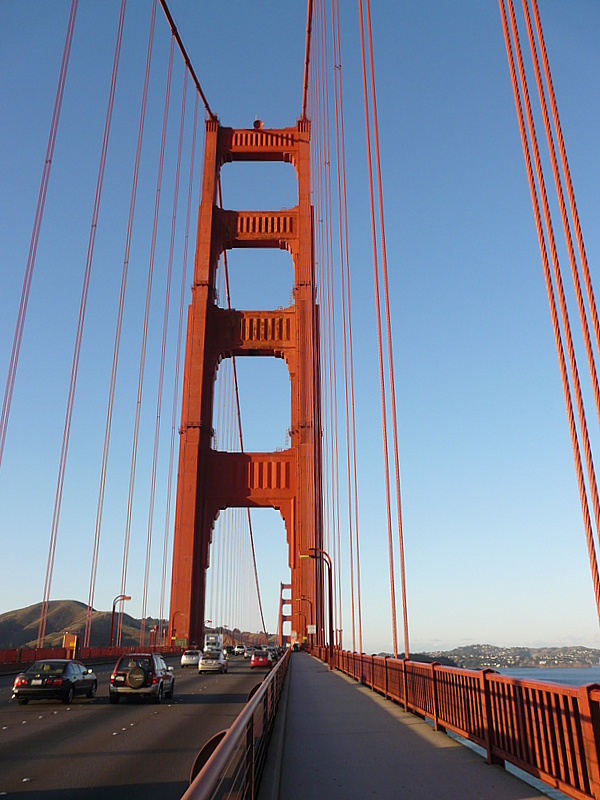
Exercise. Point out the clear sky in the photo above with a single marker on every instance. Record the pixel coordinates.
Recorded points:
(494, 538)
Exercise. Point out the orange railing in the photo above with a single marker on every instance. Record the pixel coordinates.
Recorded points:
(231, 764)
(25, 655)
(548, 730)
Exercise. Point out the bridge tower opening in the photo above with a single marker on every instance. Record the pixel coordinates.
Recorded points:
(289, 480)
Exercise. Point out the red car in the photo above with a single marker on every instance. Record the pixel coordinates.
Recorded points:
(261, 658)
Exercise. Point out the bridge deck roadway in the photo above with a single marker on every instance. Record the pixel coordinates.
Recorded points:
(342, 740)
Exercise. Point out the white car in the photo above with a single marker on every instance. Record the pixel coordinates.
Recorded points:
(212, 661)
(238, 650)
(190, 658)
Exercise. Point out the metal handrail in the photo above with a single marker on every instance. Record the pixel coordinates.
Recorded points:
(240, 741)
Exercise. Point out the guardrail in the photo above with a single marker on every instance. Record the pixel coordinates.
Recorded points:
(548, 730)
(24, 655)
(235, 767)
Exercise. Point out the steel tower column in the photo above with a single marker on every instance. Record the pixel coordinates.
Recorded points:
(289, 480)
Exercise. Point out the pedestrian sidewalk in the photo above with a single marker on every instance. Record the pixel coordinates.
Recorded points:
(335, 738)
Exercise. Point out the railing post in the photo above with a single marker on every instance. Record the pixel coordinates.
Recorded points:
(372, 673)
(589, 714)
(486, 715)
(249, 782)
(436, 724)
(385, 660)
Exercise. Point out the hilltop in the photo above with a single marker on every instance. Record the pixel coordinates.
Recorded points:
(19, 628)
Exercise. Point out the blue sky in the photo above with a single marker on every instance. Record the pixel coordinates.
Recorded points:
(494, 540)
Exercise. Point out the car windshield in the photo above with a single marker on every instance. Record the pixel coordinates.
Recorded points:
(191, 653)
(48, 667)
(132, 662)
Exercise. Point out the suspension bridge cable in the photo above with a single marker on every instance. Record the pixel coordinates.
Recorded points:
(309, 13)
(328, 323)
(119, 325)
(79, 338)
(557, 277)
(553, 310)
(389, 334)
(96, 547)
(564, 216)
(346, 325)
(239, 421)
(163, 352)
(379, 338)
(35, 234)
(567, 175)
(142, 365)
(174, 405)
(186, 58)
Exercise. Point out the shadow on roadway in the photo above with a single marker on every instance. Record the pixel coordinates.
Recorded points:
(130, 791)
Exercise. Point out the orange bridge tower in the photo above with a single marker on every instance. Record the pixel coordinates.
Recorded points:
(289, 480)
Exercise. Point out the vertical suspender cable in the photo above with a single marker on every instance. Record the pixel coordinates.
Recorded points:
(239, 420)
(163, 351)
(389, 334)
(346, 325)
(94, 567)
(567, 174)
(35, 235)
(78, 340)
(565, 220)
(138, 410)
(379, 340)
(177, 369)
(124, 273)
(559, 283)
(551, 297)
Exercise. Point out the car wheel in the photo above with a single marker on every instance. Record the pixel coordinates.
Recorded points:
(113, 698)
(93, 689)
(67, 697)
(159, 694)
(22, 701)
(169, 694)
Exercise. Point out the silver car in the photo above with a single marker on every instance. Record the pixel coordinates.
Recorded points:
(212, 661)
(190, 658)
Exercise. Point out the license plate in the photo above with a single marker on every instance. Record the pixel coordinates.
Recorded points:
(119, 679)
(36, 682)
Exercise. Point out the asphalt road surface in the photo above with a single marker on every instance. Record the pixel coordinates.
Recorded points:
(92, 750)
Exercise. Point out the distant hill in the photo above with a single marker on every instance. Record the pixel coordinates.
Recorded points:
(20, 628)
(482, 656)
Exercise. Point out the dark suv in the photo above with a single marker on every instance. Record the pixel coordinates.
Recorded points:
(141, 675)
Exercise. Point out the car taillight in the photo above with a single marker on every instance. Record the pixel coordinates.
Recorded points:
(155, 679)
(19, 681)
(54, 681)
(112, 677)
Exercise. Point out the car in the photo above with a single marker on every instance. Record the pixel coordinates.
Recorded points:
(238, 650)
(54, 678)
(190, 658)
(141, 675)
(248, 651)
(229, 650)
(261, 658)
(212, 661)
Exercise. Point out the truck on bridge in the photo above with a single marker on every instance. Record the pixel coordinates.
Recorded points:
(213, 641)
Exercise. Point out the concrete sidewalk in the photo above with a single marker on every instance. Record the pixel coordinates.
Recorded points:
(336, 738)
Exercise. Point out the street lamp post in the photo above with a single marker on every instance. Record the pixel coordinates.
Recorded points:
(112, 619)
(312, 553)
(310, 603)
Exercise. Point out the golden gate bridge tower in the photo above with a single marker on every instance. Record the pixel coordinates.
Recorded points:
(289, 480)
